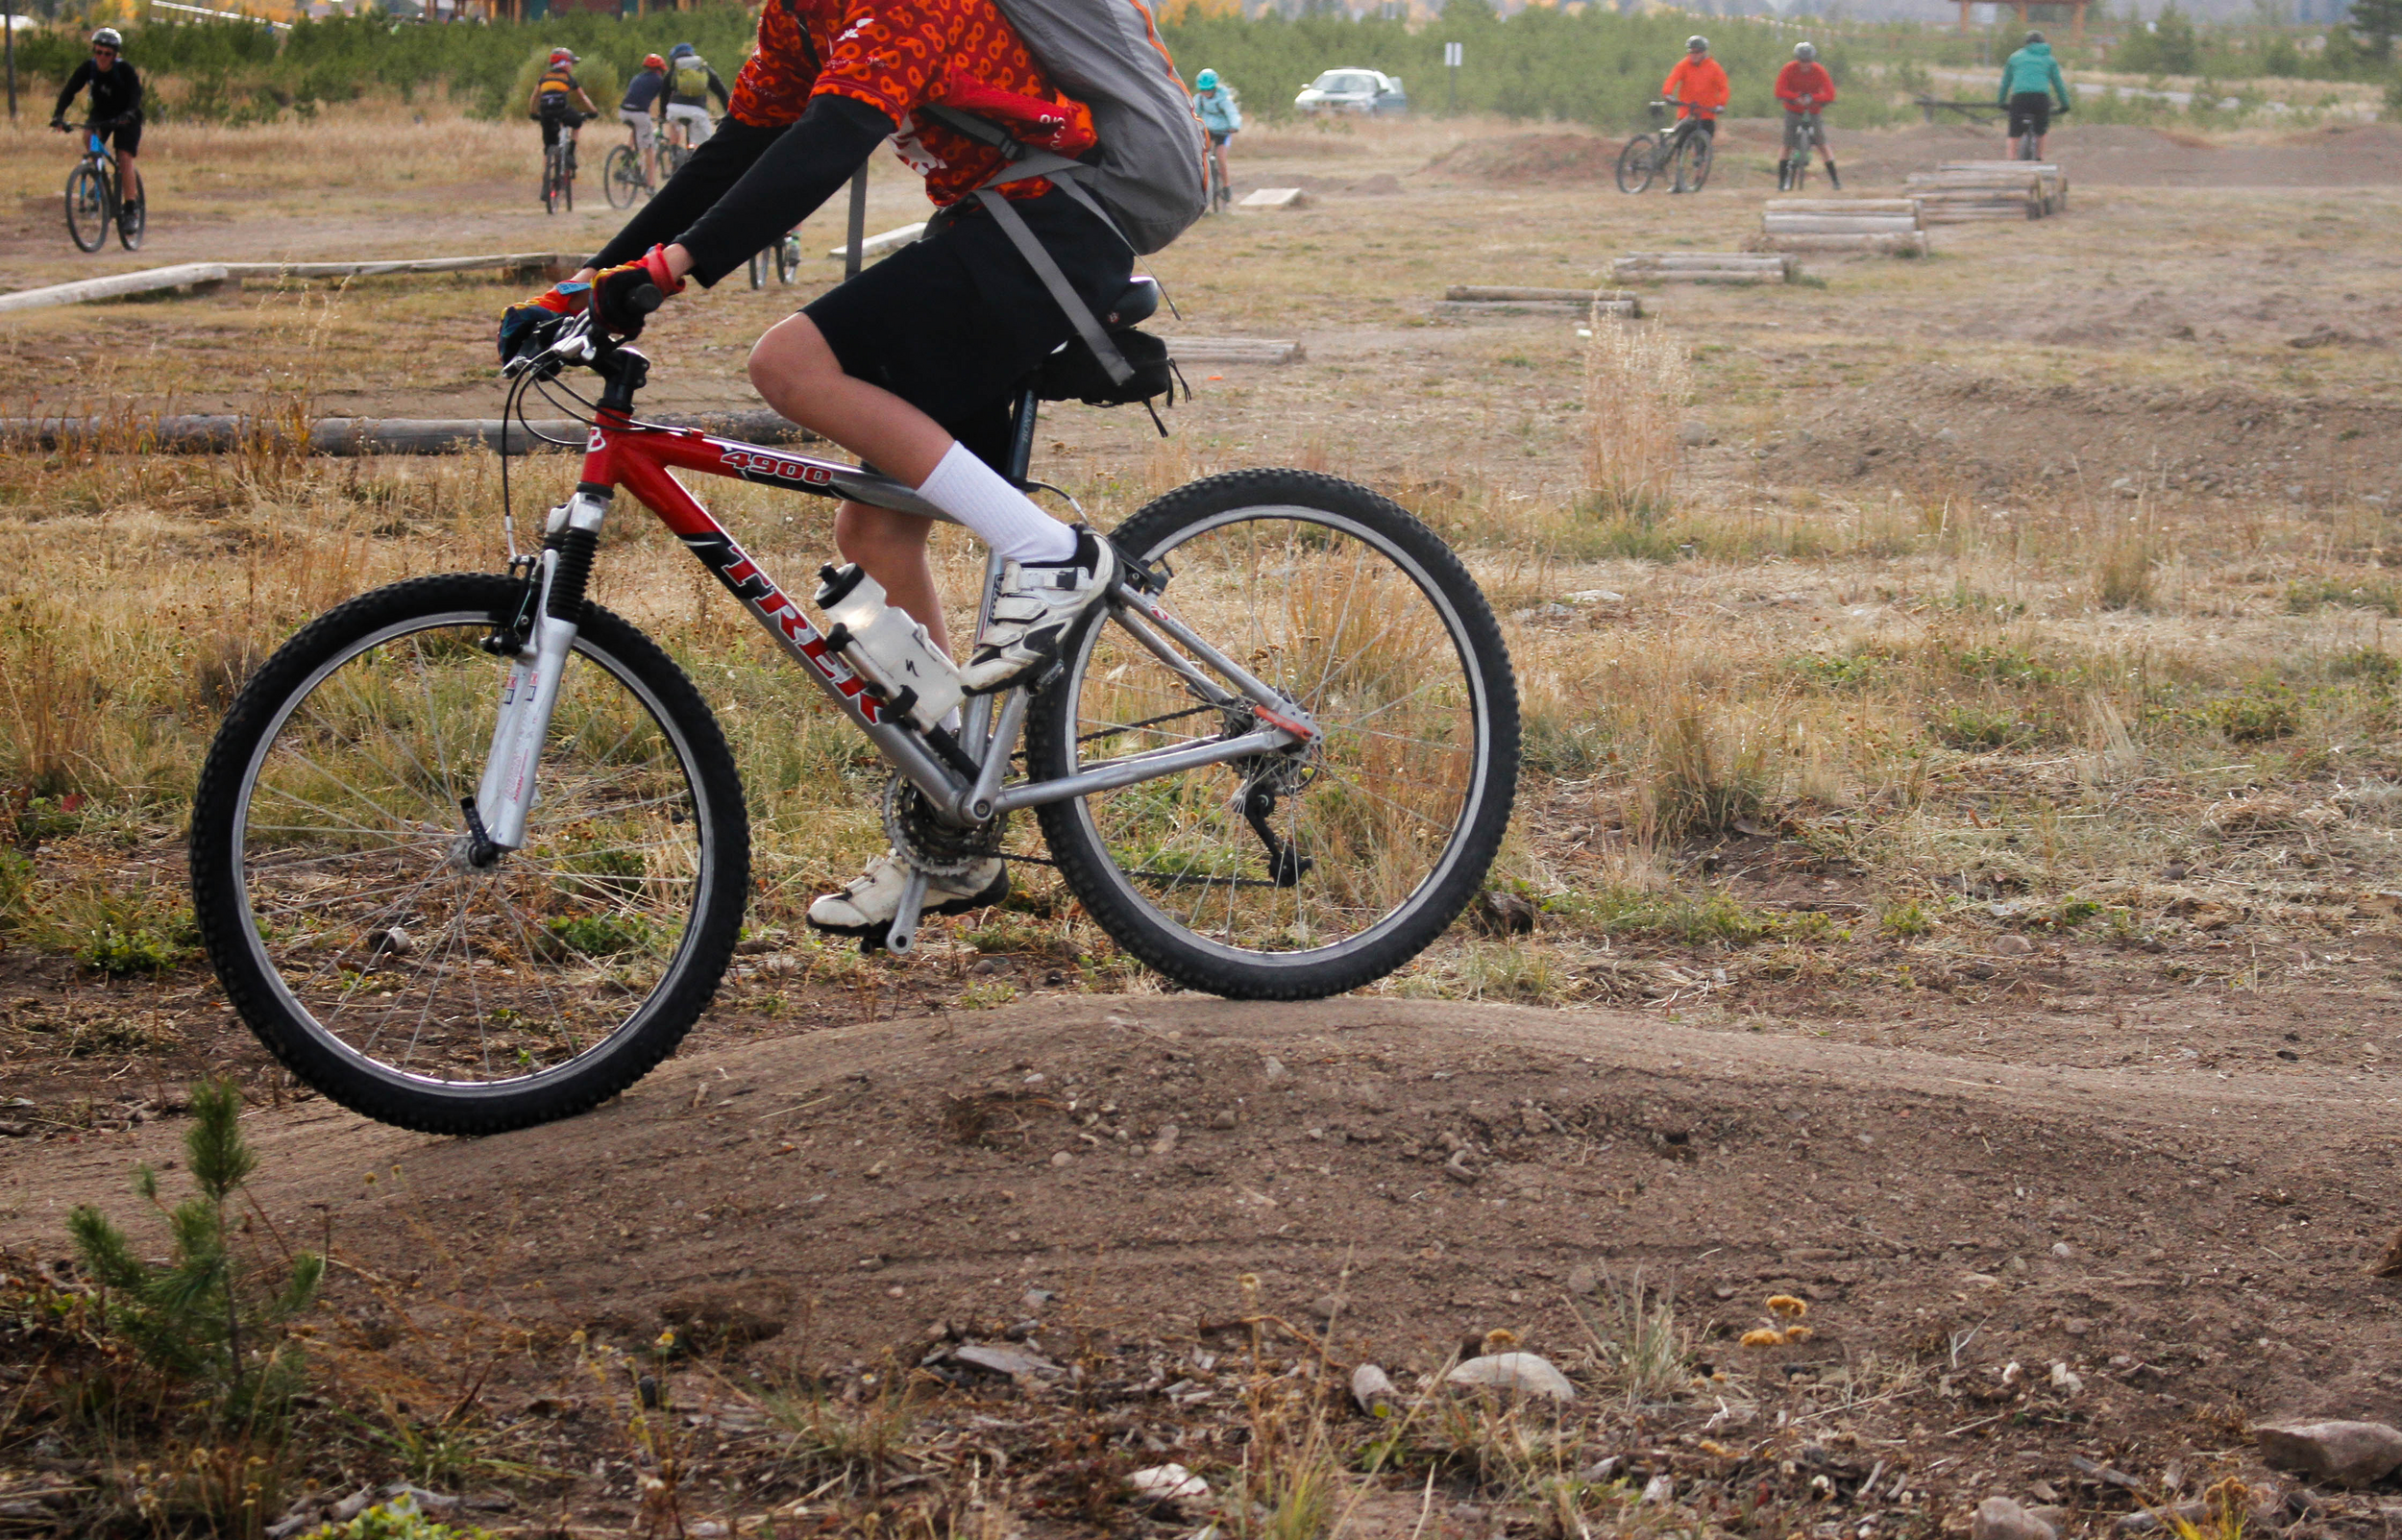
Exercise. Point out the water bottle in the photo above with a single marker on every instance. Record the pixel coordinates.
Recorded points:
(884, 647)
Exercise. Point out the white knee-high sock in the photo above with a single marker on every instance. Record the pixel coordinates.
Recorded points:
(1001, 516)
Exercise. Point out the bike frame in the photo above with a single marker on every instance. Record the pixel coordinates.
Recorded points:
(960, 778)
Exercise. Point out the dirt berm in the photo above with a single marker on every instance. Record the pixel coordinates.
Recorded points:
(2187, 1237)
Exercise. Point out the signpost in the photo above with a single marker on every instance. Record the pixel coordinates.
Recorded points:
(1452, 56)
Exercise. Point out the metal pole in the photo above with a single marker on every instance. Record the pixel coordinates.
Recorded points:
(858, 221)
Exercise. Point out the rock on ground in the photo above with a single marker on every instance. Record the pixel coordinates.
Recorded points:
(1527, 1373)
(1998, 1518)
(2347, 1454)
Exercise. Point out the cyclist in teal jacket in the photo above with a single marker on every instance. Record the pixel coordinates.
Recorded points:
(1220, 116)
(2030, 84)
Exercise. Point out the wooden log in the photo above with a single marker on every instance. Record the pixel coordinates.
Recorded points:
(1840, 206)
(1838, 224)
(149, 281)
(1234, 349)
(355, 436)
(2041, 168)
(1911, 243)
(892, 240)
(561, 262)
(1276, 198)
(1618, 303)
(1695, 259)
(1501, 291)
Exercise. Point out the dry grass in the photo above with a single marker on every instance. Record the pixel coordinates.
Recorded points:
(1637, 383)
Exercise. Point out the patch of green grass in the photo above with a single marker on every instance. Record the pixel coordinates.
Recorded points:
(1853, 671)
(2373, 666)
(1556, 744)
(1694, 921)
(601, 934)
(1976, 730)
(2257, 715)
(1904, 918)
(2380, 594)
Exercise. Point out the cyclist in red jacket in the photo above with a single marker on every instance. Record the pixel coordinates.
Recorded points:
(911, 366)
(1805, 89)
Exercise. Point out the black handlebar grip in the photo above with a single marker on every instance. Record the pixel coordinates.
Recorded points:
(646, 299)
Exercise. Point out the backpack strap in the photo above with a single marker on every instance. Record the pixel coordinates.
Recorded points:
(1026, 163)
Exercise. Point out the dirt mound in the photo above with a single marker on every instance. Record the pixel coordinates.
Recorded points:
(1517, 158)
(1944, 425)
(1445, 1168)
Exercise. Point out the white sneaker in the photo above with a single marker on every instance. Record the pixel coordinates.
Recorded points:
(867, 904)
(1039, 603)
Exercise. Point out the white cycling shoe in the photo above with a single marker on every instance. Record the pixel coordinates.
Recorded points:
(1038, 604)
(867, 905)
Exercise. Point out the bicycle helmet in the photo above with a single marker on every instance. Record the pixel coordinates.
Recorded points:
(1697, 44)
(653, 61)
(562, 56)
(1205, 81)
(109, 37)
(2034, 36)
(1806, 52)
(680, 50)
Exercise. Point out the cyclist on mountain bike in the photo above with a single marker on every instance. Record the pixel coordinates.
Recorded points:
(1806, 90)
(639, 111)
(691, 83)
(1699, 91)
(2031, 84)
(555, 103)
(912, 364)
(117, 109)
(1221, 116)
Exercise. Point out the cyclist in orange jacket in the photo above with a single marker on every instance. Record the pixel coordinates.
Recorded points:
(1699, 87)
(1805, 89)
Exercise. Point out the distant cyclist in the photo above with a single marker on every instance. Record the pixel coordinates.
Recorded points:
(116, 106)
(690, 84)
(559, 104)
(1697, 86)
(1220, 114)
(1806, 90)
(2032, 90)
(640, 109)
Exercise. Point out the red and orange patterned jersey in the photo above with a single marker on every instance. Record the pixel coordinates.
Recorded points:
(898, 56)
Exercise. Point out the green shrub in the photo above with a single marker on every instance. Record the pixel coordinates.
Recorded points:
(2378, 593)
(204, 1320)
(2256, 717)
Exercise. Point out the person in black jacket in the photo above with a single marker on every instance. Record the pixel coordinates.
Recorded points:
(116, 105)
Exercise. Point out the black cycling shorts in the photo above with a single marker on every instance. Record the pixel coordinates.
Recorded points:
(126, 136)
(2030, 112)
(953, 324)
(554, 122)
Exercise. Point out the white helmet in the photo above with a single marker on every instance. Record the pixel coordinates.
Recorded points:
(107, 37)
(1806, 52)
(1697, 44)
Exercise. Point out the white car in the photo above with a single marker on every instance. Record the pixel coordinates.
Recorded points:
(1353, 90)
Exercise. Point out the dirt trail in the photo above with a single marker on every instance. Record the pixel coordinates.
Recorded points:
(2215, 1228)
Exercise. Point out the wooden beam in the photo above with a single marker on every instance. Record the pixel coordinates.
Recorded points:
(149, 281)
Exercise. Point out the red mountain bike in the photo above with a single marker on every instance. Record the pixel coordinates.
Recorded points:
(470, 852)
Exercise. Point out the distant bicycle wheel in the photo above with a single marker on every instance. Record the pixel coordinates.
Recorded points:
(1636, 163)
(620, 178)
(788, 258)
(758, 270)
(1693, 162)
(88, 210)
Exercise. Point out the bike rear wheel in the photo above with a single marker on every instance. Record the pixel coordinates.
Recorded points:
(1637, 165)
(90, 208)
(340, 904)
(550, 181)
(788, 258)
(1384, 829)
(1693, 161)
(620, 178)
(758, 270)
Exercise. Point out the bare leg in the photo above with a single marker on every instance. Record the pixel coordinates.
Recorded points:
(892, 547)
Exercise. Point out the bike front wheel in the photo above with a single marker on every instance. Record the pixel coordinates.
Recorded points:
(339, 895)
(89, 207)
(1636, 164)
(620, 178)
(788, 258)
(1693, 161)
(1302, 873)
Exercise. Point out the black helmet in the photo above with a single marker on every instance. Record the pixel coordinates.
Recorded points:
(2034, 36)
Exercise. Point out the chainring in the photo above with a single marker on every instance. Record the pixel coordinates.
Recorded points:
(930, 845)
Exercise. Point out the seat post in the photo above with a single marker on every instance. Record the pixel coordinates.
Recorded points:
(1021, 418)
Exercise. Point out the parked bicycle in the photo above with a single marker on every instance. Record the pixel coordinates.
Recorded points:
(94, 203)
(1686, 148)
(784, 255)
(470, 852)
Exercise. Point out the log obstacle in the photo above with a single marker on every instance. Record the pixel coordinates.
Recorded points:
(1961, 192)
(1874, 227)
(352, 437)
(1706, 267)
(204, 276)
(1276, 198)
(2053, 181)
(1234, 349)
(892, 240)
(1494, 299)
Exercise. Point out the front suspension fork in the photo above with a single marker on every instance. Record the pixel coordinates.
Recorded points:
(537, 653)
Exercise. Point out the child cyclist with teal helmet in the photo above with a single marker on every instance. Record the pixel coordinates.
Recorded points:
(1213, 102)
